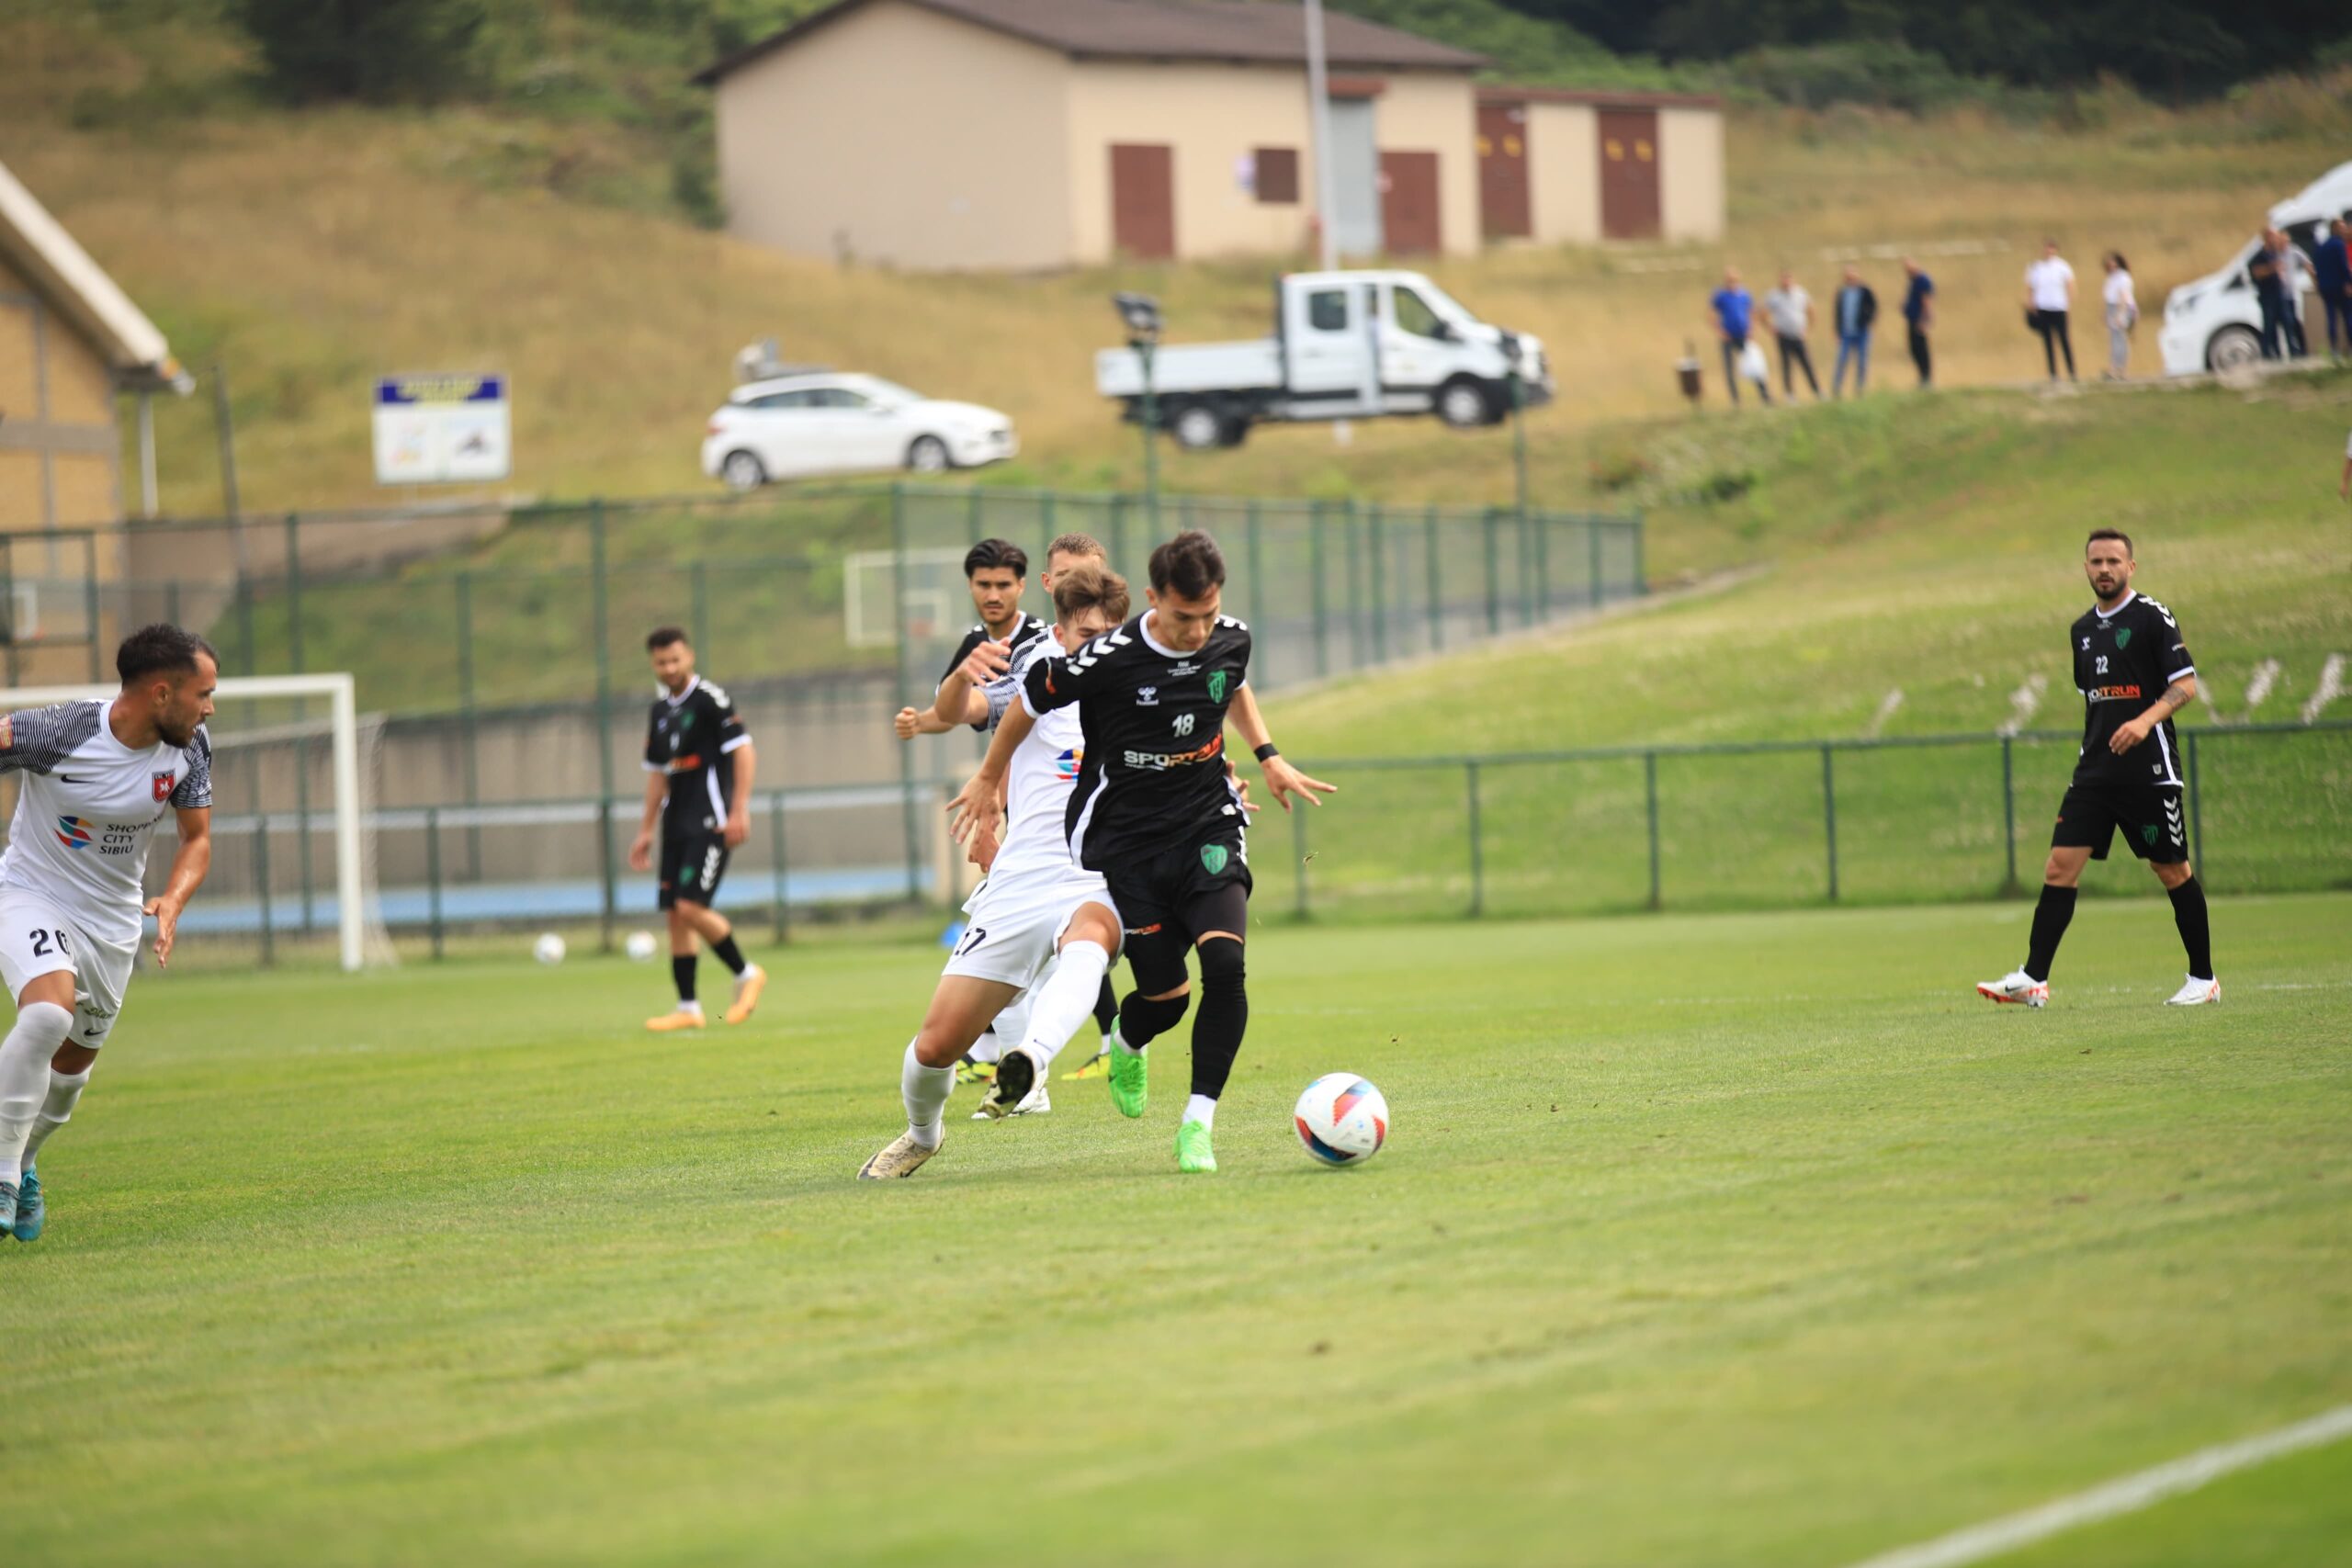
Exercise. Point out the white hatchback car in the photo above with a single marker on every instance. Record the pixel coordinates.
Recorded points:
(795, 426)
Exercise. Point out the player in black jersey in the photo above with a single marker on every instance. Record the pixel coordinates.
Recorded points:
(699, 794)
(2131, 664)
(995, 570)
(1155, 811)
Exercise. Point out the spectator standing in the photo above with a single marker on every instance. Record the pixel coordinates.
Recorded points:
(2049, 300)
(2122, 314)
(2295, 269)
(1790, 310)
(1919, 317)
(2269, 290)
(1855, 309)
(2335, 273)
(1735, 312)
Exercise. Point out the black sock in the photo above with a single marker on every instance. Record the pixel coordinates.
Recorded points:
(1142, 1021)
(2050, 918)
(726, 952)
(1106, 1006)
(2196, 934)
(681, 970)
(1224, 1015)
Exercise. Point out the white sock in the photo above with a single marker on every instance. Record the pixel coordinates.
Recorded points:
(1115, 1038)
(925, 1091)
(1066, 1000)
(987, 1048)
(64, 1091)
(1201, 1109)
(24, 1078)
(690, 1007)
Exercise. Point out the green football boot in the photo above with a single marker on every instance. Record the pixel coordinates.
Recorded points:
(1130, 1079)
(31, 1212)
(1193, 1155)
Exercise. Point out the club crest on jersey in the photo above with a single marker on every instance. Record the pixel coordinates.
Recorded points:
(1212, 858)
(2122, 636)
(162, 783)
(1146, 696)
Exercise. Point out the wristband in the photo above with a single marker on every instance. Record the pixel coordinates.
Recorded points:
(1266, 753)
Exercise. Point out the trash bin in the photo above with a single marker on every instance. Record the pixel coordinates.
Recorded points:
(1685, 371)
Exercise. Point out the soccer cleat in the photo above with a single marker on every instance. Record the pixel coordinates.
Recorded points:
(968, 1071)
(8, 1207)
(1094, 1067)
(31, 1212)
(1193, 1155)
(2017, 986)
(1130, 1080)
(1019, 1089)
(2195, 994)
(748, 987)
(680, 1018)
(901, 1157)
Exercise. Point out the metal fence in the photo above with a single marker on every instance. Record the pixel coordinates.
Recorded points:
(1602, 830)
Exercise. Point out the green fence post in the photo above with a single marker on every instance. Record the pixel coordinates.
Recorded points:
(1542, 526)
(1298, 844)
(1349, 531)
(973, 521)
(1494, 581)
(1640, 582)
(1525, 567)
(2196, 812)
(90, 607)
(468, 720)
(261, 881)
(1477, 846)
(698, 596)
(1257, 592)
(600, 629)
(172, 604)
(245, 624)
(899, 641)
(1315, 574)
(2009, 812)
(1046, 535)
(433, 876)
(294, 662)
(1649, 788)
(1437, 589)
(1118, 538)
(1829, 815)
(1379, 586)
(783, 869)
(1592, 547)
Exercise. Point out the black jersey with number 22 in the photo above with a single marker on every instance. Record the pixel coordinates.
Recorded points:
(2124, 658)
(1153, 773)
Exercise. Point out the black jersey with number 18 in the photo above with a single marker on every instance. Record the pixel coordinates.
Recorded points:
(1153, 773)
(685, 738)
(2124, 658)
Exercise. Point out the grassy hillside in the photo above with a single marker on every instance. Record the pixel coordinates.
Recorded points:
(307, 251)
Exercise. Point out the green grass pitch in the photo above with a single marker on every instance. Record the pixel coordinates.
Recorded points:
(1734, 1238)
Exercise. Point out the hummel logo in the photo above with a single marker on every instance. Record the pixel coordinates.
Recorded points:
(1146, 696)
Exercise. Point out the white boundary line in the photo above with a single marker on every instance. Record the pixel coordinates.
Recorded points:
(2128, 1495)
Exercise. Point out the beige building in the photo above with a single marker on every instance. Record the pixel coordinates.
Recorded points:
(1050, 134)
(1568, 167)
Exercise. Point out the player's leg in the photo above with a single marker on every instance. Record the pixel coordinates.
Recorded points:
(960, 1007)
(1222, 917)
(2158, 833)
(687, 1014)
(2085, 829)
(1086, 941)
(44, 1017)
(702, 866)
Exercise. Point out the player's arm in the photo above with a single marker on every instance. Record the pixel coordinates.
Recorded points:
(189, 864)
(980, 802)
(1283, 779)
(912, 722)
(963, 697)
(739, 815)
(657, 790)
(2180, 690)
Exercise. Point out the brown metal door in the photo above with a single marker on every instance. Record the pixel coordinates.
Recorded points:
(1143, 200)
(1629, 199)
(1409, 215)
(1504, 211)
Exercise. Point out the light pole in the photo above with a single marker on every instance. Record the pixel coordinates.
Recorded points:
(1512, 351)
(1141, 314)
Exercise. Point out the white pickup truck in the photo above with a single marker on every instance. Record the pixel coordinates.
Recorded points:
(1346, 345)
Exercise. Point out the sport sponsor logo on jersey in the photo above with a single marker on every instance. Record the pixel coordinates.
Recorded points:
(1065, 765)
(1146, 696)
(2112, 694)
(1160, 761)
(74, 832)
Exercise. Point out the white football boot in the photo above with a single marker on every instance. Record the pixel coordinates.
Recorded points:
(1019, 1088)
(2017, 986)
(901, 1156)
(2196, 993)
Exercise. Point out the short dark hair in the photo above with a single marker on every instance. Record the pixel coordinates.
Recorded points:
(161, 650)
(2099, 533)
(1191, 564)
(994, 553)
(661, 637)
(1088, 586)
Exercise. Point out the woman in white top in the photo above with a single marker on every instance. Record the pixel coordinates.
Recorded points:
(2049, 296)
(2122, 314)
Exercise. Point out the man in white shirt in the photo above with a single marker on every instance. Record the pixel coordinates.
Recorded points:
(1790, 310)
(97, 777)
(2049, 297)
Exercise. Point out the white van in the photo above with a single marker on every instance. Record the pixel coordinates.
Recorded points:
(2215, 323)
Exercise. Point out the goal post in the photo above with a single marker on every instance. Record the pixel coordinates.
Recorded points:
(342, 724)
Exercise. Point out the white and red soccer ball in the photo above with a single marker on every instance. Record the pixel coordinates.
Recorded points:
(1342, 1119)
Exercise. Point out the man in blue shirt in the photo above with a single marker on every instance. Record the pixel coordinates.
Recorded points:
(2335, 272)
(1919, 315)
(1856, 309)
(1734, 308)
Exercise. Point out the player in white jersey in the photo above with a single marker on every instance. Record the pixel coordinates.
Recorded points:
(1037, 909)
(96, 778)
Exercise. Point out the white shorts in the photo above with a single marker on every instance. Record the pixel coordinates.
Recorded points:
(1011, 930)
(37, 937)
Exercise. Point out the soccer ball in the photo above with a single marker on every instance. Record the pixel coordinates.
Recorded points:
(1342, 1119)
(548, 949)
(640, 946)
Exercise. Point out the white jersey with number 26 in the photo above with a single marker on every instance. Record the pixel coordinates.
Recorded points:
(89, 809)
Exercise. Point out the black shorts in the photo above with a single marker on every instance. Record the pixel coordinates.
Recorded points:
(1153, 894)
(692, 864)
(2151, 817)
